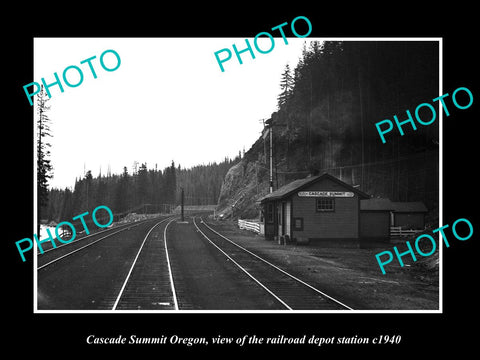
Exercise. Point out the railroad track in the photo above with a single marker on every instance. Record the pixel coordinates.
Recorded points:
(109, 270)
(51, 254)
(149, 283)
(290, 291)
(129, 268)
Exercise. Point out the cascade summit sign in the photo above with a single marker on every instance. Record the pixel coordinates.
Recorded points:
(325, 194)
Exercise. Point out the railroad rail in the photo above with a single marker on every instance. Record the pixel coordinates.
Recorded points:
(146, 285)
(54, 254)
(139, 274)
(141, 281)
(292, 292)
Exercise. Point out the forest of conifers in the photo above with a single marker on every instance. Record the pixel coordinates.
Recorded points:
(129, 192)
(329, 104)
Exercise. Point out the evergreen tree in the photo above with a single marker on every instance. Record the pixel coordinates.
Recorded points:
(67, 211)
(170, 184)
(89, 191)
(286, 87)
(142, 185)
(101, 193)
(121, 198)
(44, 167)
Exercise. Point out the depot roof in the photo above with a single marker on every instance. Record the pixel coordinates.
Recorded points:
(384, 204)
(288, 189)
(414, 206)
(376, 204)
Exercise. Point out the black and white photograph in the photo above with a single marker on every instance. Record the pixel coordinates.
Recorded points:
(287, 181)
(282, 204)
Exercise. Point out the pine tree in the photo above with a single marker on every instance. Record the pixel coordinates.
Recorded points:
(44, 167)
(171, 184)
(286, 87)
(121, 201)
(142, 185)
(67, 211)
(89, 190)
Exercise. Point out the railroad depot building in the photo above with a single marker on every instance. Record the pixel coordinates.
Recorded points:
(326, 208)
(315, 208)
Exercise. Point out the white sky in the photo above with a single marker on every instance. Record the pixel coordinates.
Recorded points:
(167, 101)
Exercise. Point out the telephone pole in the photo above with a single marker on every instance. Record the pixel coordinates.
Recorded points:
(269, 126)
(183, 201)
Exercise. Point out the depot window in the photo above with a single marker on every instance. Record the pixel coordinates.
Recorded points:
(298, 223)
(325, 204)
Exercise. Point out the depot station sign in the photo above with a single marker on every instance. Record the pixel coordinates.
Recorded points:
(325, 194)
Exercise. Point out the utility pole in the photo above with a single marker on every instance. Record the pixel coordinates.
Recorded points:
(269, 126)
(271, 158)
(183, 200)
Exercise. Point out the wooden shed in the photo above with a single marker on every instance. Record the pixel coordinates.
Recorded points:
(375, 218)
(315, 208)
(409, 215)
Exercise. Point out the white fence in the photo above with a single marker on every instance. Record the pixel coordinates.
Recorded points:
(397, 231)
(249, 225)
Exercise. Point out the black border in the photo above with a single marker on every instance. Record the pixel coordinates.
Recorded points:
(429, 334)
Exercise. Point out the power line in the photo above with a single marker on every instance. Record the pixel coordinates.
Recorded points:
(382, 162)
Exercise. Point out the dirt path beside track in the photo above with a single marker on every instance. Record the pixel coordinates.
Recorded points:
(349, 274)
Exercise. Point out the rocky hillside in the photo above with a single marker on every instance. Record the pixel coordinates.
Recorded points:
(244, 184)
(325, 122)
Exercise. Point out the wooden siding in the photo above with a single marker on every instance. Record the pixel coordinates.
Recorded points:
(374, 224)
(338, 224)
(409, 220)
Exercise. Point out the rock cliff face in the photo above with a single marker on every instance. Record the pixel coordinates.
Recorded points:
(245, 183)
(242, 187)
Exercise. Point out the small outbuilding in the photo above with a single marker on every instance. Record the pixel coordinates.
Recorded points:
(409, 215)
(375, 218)
(315, 208)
